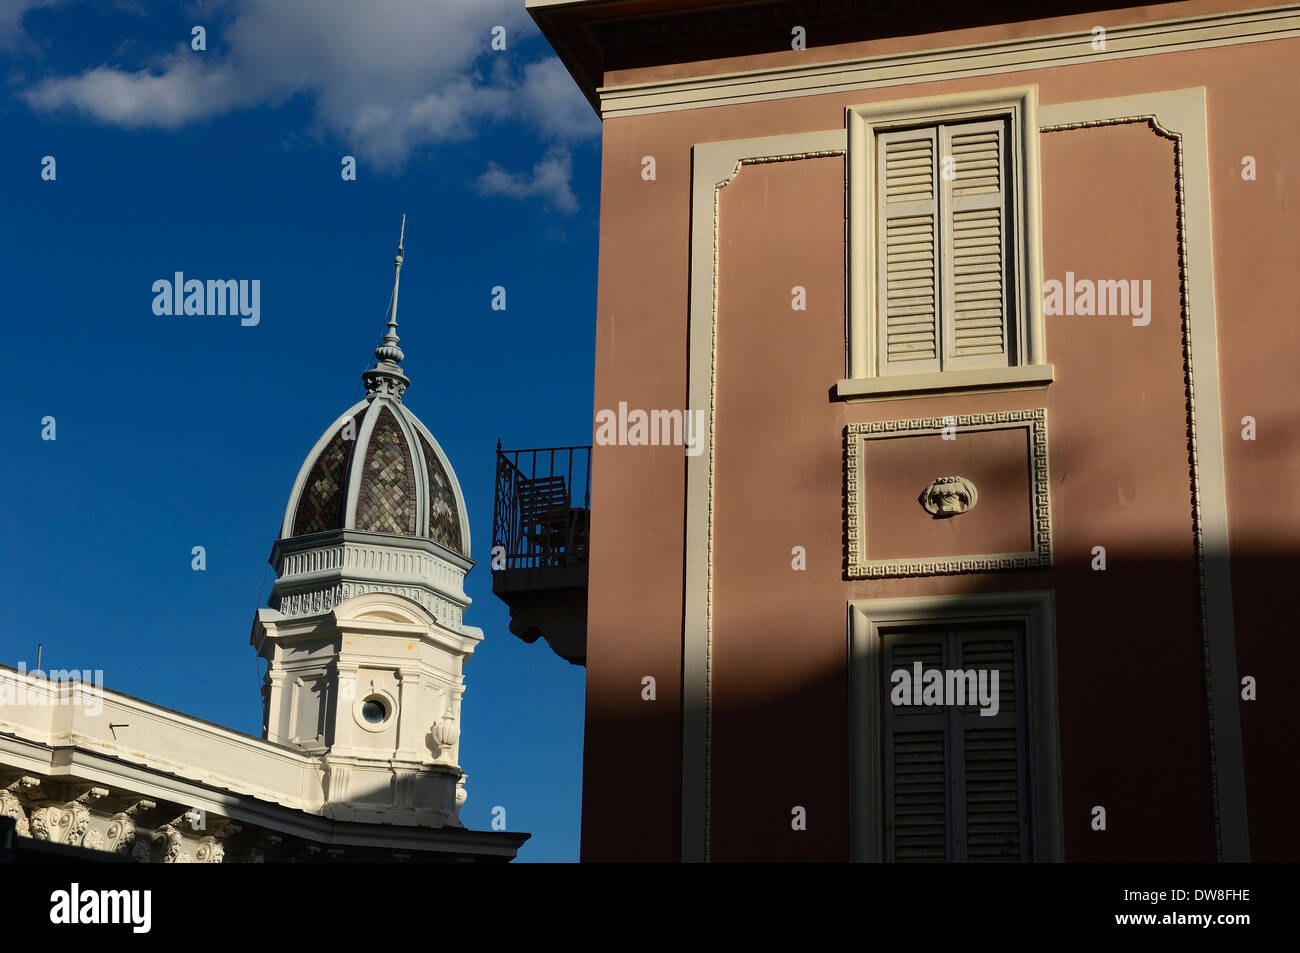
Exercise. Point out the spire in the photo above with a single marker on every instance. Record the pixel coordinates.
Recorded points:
(386, 378)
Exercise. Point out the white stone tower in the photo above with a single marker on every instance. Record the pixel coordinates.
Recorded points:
(363, 638)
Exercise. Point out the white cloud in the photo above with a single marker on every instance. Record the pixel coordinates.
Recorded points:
(385, 77)
(548, 181)
(551, 97)
(185, 92)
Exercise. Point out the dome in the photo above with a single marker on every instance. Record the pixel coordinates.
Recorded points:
(375, 508)
(378, 469)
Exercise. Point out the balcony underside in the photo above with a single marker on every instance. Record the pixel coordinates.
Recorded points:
(547, 602)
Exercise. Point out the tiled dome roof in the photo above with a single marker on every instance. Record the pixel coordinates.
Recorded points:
(379, 470)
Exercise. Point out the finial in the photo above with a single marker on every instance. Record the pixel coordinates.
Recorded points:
(386, 377)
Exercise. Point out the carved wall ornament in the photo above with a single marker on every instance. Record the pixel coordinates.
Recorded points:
(948, 496)
(209, 851)
(140, 806)
(61, 825)
(142, 849)
(120, 833)
(26, 788)
(446, 732)
(11, 806)
(171, 843)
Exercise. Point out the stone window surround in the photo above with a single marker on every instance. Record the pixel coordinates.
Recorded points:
(1035, 610)
(1027, 367)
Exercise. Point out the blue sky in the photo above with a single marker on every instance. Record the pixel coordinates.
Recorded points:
(175, 431)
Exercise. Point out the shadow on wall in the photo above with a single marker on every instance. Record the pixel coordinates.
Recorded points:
(1134, 720)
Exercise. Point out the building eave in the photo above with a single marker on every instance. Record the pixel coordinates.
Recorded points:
(592, 37)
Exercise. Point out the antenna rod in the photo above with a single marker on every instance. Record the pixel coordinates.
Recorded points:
(397, 277)
(38, 655)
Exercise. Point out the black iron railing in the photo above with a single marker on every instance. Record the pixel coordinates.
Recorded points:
(542, 511)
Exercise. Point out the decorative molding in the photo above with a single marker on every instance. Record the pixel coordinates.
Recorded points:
(388, 557)
(172, 837)
(1226, 28)
(319, 601)
(855, 436)
(962, 381)
(1180, 117)
(715, 165)
(381, 384)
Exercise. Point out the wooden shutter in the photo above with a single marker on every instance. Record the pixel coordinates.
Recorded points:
(907, 219)
(916, 758)
(974, 233)
(995, 810)
(955, 780)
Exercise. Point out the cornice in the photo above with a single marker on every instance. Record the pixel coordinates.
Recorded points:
(76, 764)
(334, 537)
(925, 66)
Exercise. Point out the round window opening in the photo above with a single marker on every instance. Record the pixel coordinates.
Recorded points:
(374, 711)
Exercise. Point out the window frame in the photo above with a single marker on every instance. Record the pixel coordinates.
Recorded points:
(1027, 367)
(867, 619)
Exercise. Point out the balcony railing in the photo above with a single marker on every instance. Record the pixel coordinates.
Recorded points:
(542, 512)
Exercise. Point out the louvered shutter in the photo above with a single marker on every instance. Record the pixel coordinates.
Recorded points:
(907, 219)
(974, 240)
(955, 780)
(994, 815)
(916, 758)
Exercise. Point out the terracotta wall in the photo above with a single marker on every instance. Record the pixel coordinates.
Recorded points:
(1132, 691)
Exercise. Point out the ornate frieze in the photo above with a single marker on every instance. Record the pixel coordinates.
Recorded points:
(151, 834)
(325, 598)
